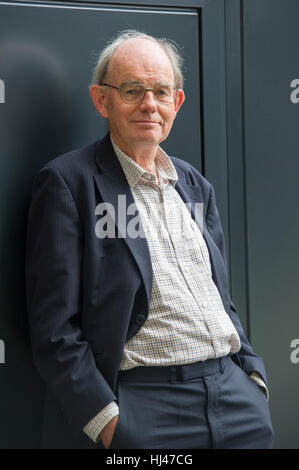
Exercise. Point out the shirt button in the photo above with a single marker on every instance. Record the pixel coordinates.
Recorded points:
(140, 319)
(204, 305)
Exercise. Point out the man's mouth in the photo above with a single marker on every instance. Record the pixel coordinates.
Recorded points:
(142, 121)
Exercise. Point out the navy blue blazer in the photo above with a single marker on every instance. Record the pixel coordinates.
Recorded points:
(87, 296)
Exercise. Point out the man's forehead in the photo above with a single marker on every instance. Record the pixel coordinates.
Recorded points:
(139, 55)
(139, 45)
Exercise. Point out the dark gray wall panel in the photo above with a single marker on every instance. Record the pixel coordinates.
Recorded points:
(271, 150)
(46, 57)
(63, 43)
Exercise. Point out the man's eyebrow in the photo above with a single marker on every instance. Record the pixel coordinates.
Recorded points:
(137, 82)
(132, 82)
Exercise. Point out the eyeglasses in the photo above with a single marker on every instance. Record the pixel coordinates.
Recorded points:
(134, 92)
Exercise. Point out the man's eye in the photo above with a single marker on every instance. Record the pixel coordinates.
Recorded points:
(162, 91)
(132, 91)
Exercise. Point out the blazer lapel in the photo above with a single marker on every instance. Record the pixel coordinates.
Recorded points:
(193, 197)
(193, 194)
(115, 190)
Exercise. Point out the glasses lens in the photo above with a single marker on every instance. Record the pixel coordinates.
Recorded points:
(164, 93)
(131, 93)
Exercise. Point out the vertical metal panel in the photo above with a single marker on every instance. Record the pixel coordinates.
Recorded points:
(271, 136)
(214, 105)
(235, 161)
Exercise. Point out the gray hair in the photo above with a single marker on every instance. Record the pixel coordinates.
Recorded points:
(168, 46)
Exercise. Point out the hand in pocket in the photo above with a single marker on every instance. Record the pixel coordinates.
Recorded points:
(107, 433)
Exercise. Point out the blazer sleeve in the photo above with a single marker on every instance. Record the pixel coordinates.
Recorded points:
(54, 258)
(245, 357)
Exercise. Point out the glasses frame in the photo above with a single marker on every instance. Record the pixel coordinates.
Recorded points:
(145, 90)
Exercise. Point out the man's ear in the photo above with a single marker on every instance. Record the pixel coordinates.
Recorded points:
(98, 97)
(179, 100)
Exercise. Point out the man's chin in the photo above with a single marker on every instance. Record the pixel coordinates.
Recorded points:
(147, 135)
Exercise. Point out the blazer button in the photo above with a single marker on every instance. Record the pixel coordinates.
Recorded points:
(140, 319)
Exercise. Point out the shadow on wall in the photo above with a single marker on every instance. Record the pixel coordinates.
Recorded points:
(37, 122)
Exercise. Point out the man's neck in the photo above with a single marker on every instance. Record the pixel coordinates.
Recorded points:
(142, 155)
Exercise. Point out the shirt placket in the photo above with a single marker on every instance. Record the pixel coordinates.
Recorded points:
(190, 258)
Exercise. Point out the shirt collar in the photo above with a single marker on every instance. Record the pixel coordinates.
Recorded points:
(134, 172)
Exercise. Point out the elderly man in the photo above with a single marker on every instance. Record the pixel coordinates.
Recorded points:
(136, 336)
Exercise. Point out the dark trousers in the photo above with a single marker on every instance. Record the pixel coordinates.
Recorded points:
(212, 404)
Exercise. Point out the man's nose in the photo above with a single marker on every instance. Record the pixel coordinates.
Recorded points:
(149, 102)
